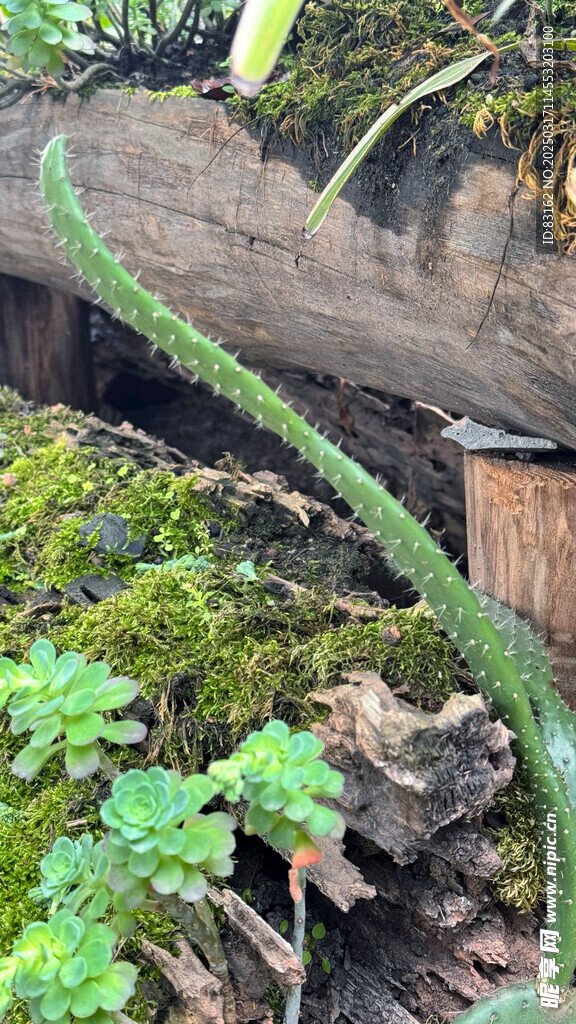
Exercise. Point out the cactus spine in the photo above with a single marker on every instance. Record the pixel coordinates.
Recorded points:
(493, 658)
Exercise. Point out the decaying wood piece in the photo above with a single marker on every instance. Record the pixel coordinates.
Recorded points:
(276, 956)
(45, 351)
(337, 878)
(408, 772)
(439, 295)
(199, 993)
(521, 527)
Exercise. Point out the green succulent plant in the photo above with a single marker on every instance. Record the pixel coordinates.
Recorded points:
(280, 776)
(157, 837)
(64, 968)
(74, 871)
(61, 700)
(38, 31)
(8, 965)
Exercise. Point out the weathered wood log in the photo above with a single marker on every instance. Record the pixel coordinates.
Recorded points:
(521, 527)
(407, 772)
(45, 349)
(445, 300)
(198, 993)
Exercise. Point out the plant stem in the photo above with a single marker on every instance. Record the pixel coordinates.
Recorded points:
(172, 36)
(107, 766)
(198, 921)
(126, 27)
(292, 1011)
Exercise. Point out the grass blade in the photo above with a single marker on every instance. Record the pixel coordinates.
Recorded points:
(441, 80)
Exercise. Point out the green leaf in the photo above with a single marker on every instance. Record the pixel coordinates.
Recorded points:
(47, 731)
(283, 927)
(315, 773)
(81, 761)
(306, 957)
(79, 701)
(326, 965)
(39, 54)
(31, 760)
(298, 806)
(55, 1002)
(73, 972)
(77, 41)
(171, 840)
(168, 877)
(117, 986)
(143, 865)
(43, 658)
(279, 730)
(28, 19)
(115, 693)
(331, 787)
(441, 80)
(84, 729)
(85, 999)
(260, 36)
(20, 43)
(303, 747)
(50, 33)
(259, 819)
(273, 797)
(71, 12)
(194, 885)
(197, 846)
(281, 835)
(318, 931)
(97, 955)
(126, 731)
(323, 821)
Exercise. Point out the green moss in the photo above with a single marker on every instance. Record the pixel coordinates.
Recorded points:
(352, 60)
(241, 656)
(521, 882)
(55, 490)
(178, 90)
(517, 111)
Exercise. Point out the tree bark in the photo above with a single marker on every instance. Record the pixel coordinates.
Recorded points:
(434, 292)
(521, 527)
(44, 344)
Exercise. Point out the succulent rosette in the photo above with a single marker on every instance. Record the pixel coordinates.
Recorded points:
(73, 872)
(61, 700)
(65, 970)
(280, 776)
(157, 837)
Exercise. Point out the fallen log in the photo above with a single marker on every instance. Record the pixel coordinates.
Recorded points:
(441, 298)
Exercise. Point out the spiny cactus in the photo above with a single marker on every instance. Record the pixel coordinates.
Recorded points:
(511, 675)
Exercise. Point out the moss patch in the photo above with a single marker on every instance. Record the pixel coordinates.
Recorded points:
(521, 882)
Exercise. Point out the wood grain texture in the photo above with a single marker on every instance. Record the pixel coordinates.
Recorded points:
(522, 547)
(394, 302)
(45, 351)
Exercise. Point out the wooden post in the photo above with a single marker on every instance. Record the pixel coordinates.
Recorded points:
(45, 345)
(521, 522)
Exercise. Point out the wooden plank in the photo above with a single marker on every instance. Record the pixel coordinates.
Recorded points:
(395, 301)
(44, 344)
(521, 520)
